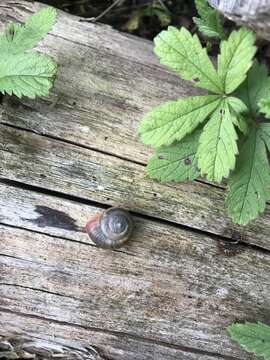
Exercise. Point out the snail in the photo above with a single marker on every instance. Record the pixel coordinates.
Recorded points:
(111, 229)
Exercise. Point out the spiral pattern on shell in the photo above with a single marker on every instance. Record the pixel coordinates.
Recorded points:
(111, 229)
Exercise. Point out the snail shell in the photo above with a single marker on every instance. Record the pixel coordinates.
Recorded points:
(111, 229)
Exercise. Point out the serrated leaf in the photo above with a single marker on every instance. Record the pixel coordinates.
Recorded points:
(174, 120)
(176, 162)
(264, 107)
(183, 53)
(239, 112)
(209, 22)
(253, 337)
(26, 75)
(235, 58)
(218, 148)
(19, 38)
(255, 88)
(249, 184)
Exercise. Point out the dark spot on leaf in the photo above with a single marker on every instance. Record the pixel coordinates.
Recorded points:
(196, 79)
(222, 111)
(161, 157)
(188, 161)
(53, 218)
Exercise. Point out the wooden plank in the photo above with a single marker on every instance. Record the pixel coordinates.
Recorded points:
(202, 284)
(97, 67)
(73, 170)
(110, 345)
(242, 7)
(252, 13)
(106, 83)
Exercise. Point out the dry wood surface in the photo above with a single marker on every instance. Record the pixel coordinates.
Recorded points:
(188, 271)
(252, 13)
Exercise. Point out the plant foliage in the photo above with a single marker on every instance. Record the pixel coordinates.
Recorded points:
(22, 72)
(219, 135)
(209, 22)
(253, 337)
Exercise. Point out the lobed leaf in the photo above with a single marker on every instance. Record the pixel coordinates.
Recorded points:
(253, 337)
(27, 75)
(218, 145)
(249, 184)
(174, 120)
(19, 38)
(176, 162)
(209, 22)
(255, 88)
(183, 53)
(235, 58)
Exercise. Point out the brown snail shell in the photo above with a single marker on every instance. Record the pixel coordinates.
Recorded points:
(111, 229)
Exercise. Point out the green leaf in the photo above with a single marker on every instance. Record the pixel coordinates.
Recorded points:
(249, 184)
(255, 88)
(264, 106)
(253, 337)
(18, 39)
(176, 162)
(218, 148)
(174, 120)
(183, 53)
(239, 113)
(235, 58)
(265, 134)
(209, 22)
(26, 75)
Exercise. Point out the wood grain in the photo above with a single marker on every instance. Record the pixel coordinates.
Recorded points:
(35, 348)
(240, 7)
(69, 169)
(168, 294)
(252, 13)
(200, 288)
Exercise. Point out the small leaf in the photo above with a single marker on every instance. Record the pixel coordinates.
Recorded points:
(209, 22)
(27, 75)
(218, 148)
(183, 53)
(176, 162)
(235, 58)
(255, 88)
(253, 337)
(249, 184)
(174, 120)
(18, 39)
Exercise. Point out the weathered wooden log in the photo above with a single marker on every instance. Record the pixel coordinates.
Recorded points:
(187, 273)
(252, 13)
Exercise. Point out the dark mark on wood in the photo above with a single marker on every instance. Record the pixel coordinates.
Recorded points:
(54, 218)
(229, 248)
